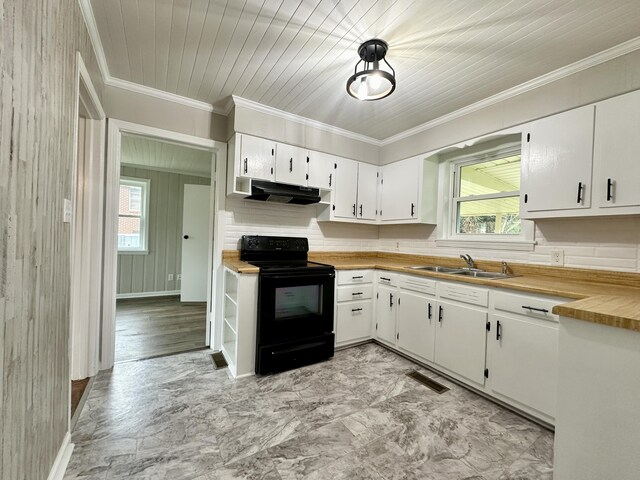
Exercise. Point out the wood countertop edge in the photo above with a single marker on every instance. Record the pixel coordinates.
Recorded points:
(586, 307)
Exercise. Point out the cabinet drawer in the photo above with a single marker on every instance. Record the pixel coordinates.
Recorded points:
(529, 305)
(354, 321)
(418, 284)
(345, 277)
(464, 293)
(354, 292)
(387, 278)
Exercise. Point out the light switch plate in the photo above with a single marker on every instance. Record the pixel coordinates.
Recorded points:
(67, 211)
(170, 277)
(179, 276)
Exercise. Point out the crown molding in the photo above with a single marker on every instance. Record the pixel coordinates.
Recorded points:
(161, 94)
(592, 61)
(588, 62)
(94, 35)
(292, 117)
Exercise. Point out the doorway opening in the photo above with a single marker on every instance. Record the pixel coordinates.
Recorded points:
(117, 131)
(86, 214)
(164, 215)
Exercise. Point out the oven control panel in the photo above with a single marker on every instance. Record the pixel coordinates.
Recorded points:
(258, 243)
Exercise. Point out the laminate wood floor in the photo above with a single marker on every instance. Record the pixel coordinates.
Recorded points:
(148, 327)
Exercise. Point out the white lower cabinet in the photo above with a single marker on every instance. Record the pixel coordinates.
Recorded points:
(416, 324)
(386, 306)
(354, 310)
(502, 343)
(461, 340)
(522, 352)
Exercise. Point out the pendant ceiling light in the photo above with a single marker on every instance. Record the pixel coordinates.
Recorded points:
(371, 82)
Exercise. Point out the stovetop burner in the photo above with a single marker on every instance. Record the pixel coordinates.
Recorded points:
(287, 265)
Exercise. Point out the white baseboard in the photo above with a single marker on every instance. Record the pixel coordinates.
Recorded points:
(148, 294)
(62, 459)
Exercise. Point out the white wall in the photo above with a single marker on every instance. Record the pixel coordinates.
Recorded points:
(246, 217)
(148, 110)
(604, 243)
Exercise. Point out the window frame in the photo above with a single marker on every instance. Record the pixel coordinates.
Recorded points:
(145, 185)
(450, 237)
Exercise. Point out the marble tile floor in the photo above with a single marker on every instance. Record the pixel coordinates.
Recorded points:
(357, 416)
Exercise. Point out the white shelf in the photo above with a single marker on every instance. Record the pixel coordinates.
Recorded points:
(232, 297)
(231, 323)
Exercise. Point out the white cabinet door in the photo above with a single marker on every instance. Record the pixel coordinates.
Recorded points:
(400, 183)
(291, 164)
(354, 321)
(256, 157)
(386, 314)
(346, 189)
(367, 191)
(321, 171)
(617, 152)
(556, 162)
(523, 361)
(416, 324)
(461, 340)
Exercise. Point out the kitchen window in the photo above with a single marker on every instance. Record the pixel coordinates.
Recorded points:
(484, 199)
(133, 219)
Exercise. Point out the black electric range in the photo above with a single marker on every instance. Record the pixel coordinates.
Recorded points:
(295, 303)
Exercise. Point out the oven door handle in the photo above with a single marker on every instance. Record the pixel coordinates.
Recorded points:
(276, 276)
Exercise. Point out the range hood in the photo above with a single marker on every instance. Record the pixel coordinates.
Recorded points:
(283, 193)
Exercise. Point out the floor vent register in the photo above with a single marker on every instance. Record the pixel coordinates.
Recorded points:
(427, 382)
(218, 360)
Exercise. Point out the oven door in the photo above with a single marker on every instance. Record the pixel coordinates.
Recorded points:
(293, 307)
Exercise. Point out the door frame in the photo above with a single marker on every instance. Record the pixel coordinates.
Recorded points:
(84, 337)
(116, 129)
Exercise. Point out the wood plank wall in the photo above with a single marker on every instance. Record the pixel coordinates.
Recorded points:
(149, 273)
(38, 44)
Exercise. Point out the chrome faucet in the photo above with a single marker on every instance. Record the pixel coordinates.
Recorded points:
(467, 258)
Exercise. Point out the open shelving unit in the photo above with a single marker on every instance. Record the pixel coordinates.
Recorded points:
(239, 322)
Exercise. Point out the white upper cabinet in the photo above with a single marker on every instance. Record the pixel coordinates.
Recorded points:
(409, 191)
(557, 157)
(345, 193)
(367, 191)
(291, 164)
(256, 157)
(355, 191)
(617, 153)
(400, 184)
(320, 170)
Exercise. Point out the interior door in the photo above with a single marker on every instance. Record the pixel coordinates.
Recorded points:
(195, 243)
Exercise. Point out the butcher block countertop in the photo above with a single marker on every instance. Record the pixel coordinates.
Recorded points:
(604, 297)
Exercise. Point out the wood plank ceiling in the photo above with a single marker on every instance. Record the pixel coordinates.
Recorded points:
(296, 55)
(144, 152)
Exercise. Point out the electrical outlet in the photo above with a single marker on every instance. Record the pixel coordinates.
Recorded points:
(557, 257)
(170, 277)
(397, 245)
(179, 277)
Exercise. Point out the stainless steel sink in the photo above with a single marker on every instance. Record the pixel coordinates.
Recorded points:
(487, 275)
(437, 269)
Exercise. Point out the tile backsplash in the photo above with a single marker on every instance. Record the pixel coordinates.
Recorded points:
(611, 243)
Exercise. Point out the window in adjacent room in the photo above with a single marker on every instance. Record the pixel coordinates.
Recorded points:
(133, 221)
